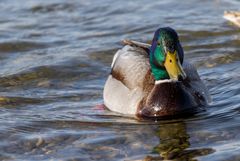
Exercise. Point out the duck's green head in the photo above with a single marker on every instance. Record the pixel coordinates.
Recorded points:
(166, 55)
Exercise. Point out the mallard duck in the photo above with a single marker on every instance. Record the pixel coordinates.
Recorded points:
(233, 16)
(154, 80)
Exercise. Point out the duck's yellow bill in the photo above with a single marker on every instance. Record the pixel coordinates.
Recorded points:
(173, 66)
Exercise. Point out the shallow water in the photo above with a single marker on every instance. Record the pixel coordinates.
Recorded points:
(55, 57)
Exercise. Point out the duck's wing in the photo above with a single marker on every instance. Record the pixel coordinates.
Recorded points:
(130, 76)
(195, 83)
(130, 65)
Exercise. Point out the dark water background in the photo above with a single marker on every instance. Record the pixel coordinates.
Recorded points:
(55, 56)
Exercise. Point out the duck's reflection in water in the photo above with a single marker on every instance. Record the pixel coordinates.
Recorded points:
(175, 145)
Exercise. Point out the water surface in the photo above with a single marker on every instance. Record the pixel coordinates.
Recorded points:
(55, 56)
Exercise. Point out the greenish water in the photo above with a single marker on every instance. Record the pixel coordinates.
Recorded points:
(55, 56)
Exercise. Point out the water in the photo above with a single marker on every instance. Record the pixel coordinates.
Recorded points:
(55, 57)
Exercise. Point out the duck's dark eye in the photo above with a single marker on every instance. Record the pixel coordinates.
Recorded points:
(170, 60)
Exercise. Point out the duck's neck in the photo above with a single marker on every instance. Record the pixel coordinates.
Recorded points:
(159, 73)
